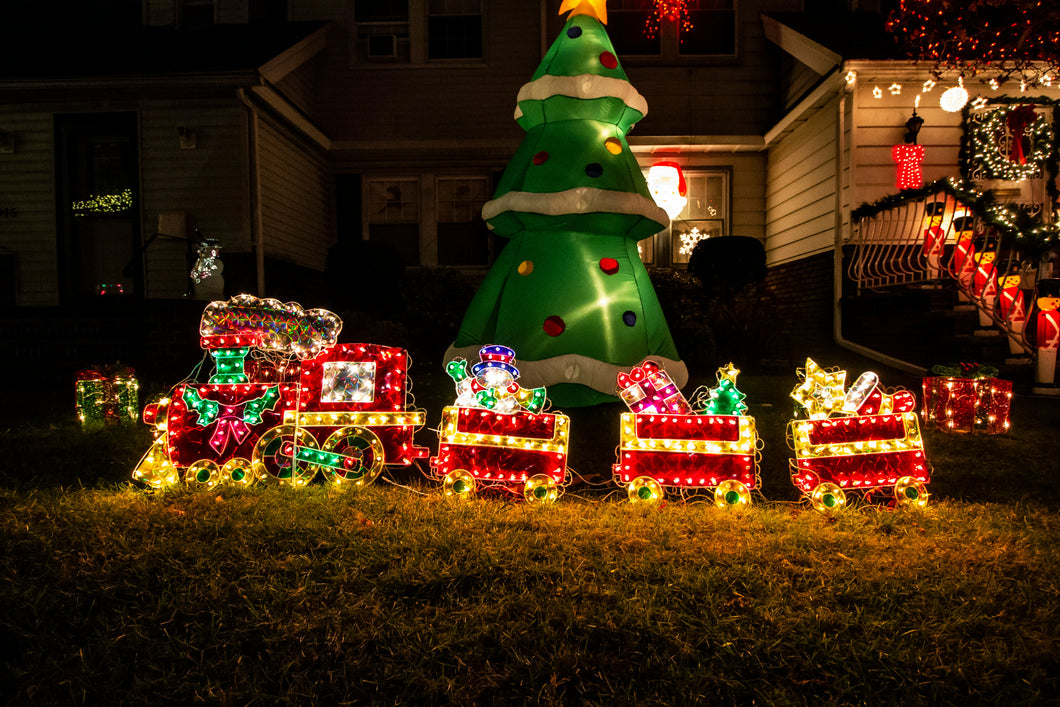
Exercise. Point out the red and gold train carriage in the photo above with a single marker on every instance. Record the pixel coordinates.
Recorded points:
(498, 435)
(860, 440)
(301, 405)
(664, 444)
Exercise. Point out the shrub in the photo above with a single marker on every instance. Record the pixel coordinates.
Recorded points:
(681, 298)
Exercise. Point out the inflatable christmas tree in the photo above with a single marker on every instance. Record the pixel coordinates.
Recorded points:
(569, 290)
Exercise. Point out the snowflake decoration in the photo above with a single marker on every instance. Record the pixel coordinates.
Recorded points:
(689, 240)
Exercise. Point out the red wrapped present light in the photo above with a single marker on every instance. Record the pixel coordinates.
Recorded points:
(959, 401)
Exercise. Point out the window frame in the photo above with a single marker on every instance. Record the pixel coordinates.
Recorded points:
(412, 39)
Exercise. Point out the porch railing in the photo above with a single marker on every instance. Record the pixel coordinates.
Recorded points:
(934, 237)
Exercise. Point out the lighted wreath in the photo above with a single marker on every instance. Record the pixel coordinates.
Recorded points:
(1016, 163)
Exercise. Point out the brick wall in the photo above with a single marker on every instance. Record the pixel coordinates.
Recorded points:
(802, 291)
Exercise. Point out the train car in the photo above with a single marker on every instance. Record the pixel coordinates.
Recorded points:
(497, 435)
(305, 405)
(692, 452)
(862, 440)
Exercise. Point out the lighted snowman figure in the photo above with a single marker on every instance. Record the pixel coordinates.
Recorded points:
(491, 383)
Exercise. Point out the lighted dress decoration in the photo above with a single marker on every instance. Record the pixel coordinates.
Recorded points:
(569, 291)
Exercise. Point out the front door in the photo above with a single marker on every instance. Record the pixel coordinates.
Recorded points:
(98, 211)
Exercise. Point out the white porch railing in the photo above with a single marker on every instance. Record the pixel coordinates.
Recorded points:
(936, 237)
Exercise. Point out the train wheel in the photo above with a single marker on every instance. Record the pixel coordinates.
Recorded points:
(910, 492)
(827, 498)
(541, 488)
(203, 474)
(459, 483)
(645, 489)
(275, 459)
(732, 494)
(239, 471)
(362, 456)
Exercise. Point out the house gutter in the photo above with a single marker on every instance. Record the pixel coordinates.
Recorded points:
(837, 256)
(256, 237)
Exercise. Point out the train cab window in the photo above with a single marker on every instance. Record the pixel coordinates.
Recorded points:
(348, 382)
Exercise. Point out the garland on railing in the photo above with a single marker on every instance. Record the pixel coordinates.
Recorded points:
(1030, 235)
(1043, 140)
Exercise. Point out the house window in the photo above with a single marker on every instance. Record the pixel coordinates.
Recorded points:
(382, 28)
(706, 214)
(463, 238)
(196, 13)
(454, 29)
(394, 215)
(708, 29)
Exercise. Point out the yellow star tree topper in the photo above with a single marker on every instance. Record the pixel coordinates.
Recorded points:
(822, 392)
(593, 8)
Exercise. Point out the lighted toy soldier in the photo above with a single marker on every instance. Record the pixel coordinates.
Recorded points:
(1048, 335)
(1011, 308)
(963, 265)
(984, 283)
(934, 237)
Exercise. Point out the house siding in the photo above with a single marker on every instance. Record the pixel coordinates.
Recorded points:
(207, 186)
(801, 189)
(296, 221)
(27, 194)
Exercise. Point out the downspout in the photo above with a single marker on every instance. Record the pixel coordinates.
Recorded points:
(837, 260)
(256, 236)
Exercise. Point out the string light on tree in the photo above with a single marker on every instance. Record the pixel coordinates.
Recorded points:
(667, 11)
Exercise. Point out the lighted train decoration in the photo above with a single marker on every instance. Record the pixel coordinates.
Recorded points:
(284, 403)
(665, 444)
(497, 435)
(859, 440)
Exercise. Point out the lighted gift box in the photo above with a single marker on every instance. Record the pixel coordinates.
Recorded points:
(647, 388)
(968, 405)
(107, 396)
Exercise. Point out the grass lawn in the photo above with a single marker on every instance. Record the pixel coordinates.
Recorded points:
(110, 594)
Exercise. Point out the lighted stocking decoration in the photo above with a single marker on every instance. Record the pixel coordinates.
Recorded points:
(496, 435)
(1012, 309)
(1048, 332)
(860, 439)
(569, 291)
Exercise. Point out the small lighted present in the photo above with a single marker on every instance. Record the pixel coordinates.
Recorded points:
(967, 398)
(107, 395)
(647, 388)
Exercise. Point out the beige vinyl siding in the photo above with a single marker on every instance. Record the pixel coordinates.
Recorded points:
(159, 13)
(377, 109)
(299, 87)
(296, 221)
(27, 185)
(800, 189)
(209, 185)
(879, 123)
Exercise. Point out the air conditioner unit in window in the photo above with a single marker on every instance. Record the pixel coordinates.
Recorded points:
(382, 45)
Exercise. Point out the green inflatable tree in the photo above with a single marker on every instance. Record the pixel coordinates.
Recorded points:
(569, 292)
